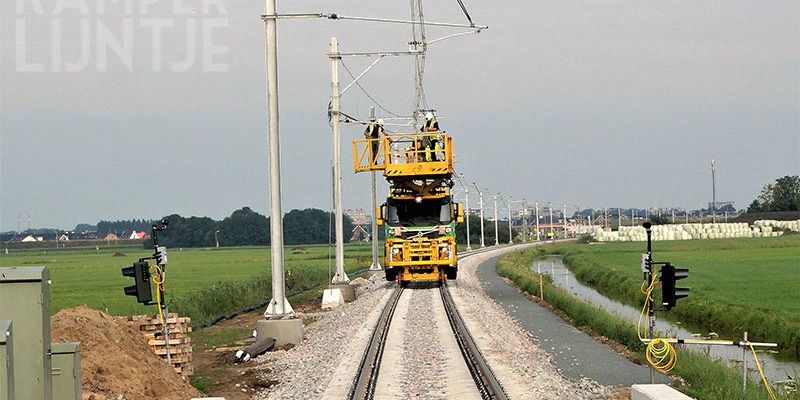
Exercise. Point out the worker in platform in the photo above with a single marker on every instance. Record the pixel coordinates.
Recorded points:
(431, 125)
(433, 140)
(373, 133)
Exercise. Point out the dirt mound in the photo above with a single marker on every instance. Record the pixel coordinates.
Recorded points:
(116, 360)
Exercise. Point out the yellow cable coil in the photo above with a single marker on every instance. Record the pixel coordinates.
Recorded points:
(659, 353)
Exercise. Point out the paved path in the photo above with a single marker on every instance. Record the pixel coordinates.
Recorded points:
(575, 353)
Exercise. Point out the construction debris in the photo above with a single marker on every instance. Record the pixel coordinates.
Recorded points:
(116, 360)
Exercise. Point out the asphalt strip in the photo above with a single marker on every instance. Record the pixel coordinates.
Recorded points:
(575, 353)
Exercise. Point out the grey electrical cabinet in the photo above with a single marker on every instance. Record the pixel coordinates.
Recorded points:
(66, 362)
(25, 300)
(6, 360)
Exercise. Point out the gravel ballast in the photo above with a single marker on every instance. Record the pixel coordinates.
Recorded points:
(325, 363)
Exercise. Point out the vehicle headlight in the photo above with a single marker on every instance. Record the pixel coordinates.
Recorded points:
(395, 250)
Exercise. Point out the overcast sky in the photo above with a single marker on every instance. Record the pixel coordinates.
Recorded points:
(615, 103)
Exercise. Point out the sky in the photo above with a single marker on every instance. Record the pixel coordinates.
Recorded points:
(114, 109)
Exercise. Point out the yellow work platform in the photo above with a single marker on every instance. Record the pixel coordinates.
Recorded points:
(428, 154)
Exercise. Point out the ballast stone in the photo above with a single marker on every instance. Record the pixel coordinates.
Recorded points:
(656, 392)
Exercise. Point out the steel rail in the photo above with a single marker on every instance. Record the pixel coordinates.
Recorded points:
(367, 376)
(488, 385)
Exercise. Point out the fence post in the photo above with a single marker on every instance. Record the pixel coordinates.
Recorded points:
(744, 364)
(541, 280)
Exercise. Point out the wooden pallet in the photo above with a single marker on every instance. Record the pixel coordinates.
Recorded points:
(180, 344)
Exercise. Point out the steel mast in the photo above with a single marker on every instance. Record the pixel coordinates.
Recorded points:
(279, 306)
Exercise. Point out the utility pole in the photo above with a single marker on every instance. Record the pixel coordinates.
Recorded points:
(537, 221)
(376, 265)
(550, 207)
(340, 276)
(466, 205)
(713, 192)
(480, 195)
(524, 221)
(496, 237)
(510, 236)
(279, 306)
(605, 219)
(565, 221)
(673, 216)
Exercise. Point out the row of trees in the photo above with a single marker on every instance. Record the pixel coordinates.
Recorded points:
(246, 227)
(782, 195)
(117, 227)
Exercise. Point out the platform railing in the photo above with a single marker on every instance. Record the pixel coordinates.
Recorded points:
(429, 153)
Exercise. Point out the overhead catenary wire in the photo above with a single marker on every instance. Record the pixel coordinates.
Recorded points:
(367, 93)
(466, 14)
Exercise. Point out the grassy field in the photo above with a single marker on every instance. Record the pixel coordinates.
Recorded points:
(736, 284)
(233, 276)
(702, 378)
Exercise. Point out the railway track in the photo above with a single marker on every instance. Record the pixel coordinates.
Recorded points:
(365, 382)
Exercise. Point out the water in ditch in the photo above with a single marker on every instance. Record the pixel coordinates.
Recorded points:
(775, 369)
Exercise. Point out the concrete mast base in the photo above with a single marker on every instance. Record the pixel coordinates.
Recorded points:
(285, 331)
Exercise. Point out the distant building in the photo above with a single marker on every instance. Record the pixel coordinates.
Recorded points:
(110, 237)
(63, 238)
(138, 235)
(29, 239)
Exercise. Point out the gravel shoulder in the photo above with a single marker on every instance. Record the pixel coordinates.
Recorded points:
(525, 370)
(309, 369)
(575, 353)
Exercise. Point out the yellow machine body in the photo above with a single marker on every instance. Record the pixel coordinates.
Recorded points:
(419, 216)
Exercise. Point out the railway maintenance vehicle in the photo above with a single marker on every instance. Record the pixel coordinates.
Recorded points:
(419, 216)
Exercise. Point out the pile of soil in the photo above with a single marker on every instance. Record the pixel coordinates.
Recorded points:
(116, 361)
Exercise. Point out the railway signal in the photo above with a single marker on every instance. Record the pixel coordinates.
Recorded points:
(140, 272)
(669, 292)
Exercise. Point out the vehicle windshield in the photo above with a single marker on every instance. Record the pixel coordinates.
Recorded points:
(410, 213)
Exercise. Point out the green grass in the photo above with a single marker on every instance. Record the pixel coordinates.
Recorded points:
(203, 339)
(704, 378)
(200, 282)
(736, 285)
